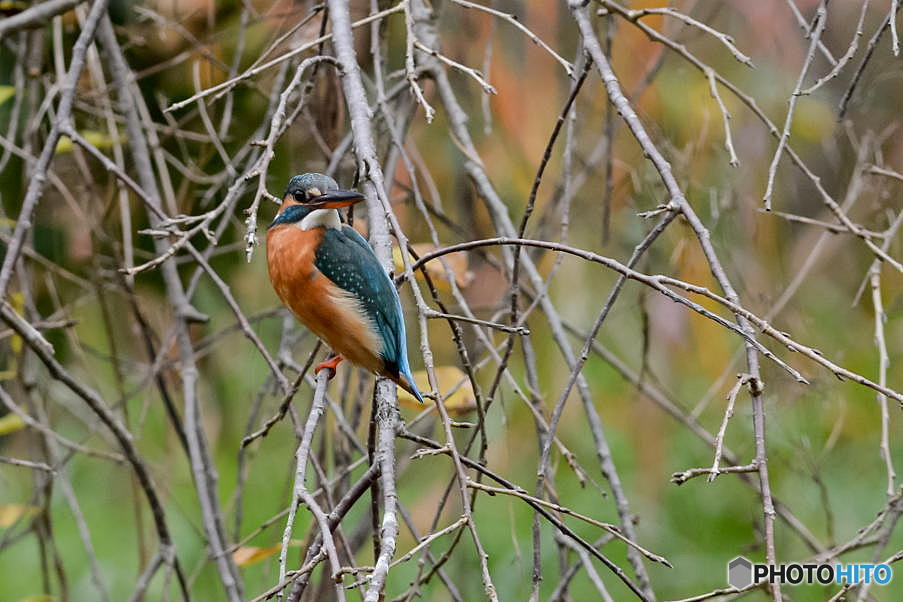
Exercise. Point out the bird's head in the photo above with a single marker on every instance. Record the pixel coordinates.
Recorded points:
(313, 195)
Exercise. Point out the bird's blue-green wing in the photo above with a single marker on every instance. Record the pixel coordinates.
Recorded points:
(347, 259)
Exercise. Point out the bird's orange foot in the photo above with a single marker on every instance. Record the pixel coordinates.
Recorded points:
(331, 363)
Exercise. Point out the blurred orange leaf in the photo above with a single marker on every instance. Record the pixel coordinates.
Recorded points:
(456, 262)
(248, 555)
(457, 392)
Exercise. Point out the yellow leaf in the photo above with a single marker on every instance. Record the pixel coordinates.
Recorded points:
(456, 262)
(813, 119)
(248, 555)
(17, 301)
(6, 92)
(457, 392)
(15, 341)
(10, 424)
(93, 137)
(63, 145)
(11, 7)
(10, 513)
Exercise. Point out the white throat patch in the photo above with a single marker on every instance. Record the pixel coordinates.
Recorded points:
(321, 218)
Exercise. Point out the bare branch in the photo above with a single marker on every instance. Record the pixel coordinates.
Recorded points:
(36, 16)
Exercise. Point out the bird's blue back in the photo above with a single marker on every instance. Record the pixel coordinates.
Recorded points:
(347, 259)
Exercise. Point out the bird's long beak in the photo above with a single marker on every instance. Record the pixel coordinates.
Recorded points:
(335, 199)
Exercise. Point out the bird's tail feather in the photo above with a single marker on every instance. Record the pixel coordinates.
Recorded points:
(406, 382)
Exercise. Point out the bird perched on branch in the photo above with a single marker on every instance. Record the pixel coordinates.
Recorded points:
(328, 275)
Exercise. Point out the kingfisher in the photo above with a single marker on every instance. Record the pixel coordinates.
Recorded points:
(327, 274)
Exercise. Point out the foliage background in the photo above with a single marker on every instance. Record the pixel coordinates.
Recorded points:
(822, 439)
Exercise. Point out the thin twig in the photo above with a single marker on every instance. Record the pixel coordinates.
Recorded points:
(821, 18)
(742, 380)
(516, 22)
(26, 464)
(842, 62)
(612, 529)
(35, 16)
(726, 40)
(38, 176)
(254, 71)
(299, 489)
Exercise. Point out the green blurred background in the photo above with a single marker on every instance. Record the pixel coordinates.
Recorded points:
(822, 439)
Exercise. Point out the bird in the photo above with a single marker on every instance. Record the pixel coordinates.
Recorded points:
(327, 274)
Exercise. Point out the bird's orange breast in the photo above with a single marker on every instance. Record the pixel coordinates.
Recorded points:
(331, 313)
